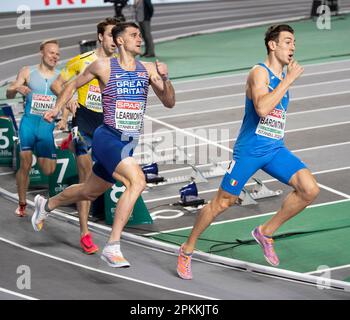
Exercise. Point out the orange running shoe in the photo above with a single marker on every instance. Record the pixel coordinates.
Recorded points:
(184, 269)
(87, 244)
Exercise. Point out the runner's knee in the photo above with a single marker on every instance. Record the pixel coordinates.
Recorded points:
(311, 192)
(138, 184)
(26, 165)
(224, 203)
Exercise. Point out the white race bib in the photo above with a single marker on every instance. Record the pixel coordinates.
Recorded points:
(272, 126)
(128, 115)
(42, 103)
(93, 99)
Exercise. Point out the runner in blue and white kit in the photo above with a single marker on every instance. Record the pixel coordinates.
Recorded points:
(260, 145)
(124, 86)
(35, 134)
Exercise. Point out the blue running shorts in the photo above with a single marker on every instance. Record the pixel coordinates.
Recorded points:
(36, 134)
(109, 149)
(280, 164)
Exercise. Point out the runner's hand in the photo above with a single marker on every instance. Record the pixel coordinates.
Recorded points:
(72, 106)
(50, 115)
(23, 90)
(62, 125)
(294, 71)
(162, 70)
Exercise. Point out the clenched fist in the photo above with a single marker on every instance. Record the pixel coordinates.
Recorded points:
(294, 71)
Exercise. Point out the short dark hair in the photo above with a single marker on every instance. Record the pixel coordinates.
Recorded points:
(101, 26)
(273, 33)
(121, 27)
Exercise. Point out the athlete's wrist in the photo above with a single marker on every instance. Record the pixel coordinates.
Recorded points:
(165, 77)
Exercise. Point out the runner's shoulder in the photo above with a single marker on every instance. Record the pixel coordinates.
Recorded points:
(258, 72)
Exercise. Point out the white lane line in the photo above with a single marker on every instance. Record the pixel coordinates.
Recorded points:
(329, 269)
(186, 114)
(188, 133)
(227, 161)
(33, 55)
(179, 35)
(315, 84)
(92, 26)
(17, 294)
(246, 218)
(233, 84)
(226, 123)
(289, 115)
(206, 78)
(104, 272)
(248, 184)
(6, 173)
(231, 140)
(339, 193)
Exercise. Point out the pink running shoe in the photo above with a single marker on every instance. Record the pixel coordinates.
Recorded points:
(184, 269)
(266, 244)
(87, 244)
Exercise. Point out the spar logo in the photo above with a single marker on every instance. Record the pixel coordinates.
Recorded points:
(130, 105)
(94, 89)
(42, 98)
(59, 2)
(276, 113)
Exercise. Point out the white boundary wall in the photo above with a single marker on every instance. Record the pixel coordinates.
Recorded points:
(14, 5)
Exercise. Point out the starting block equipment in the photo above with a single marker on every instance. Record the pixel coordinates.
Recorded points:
(198, 175)
(189, 196)
(258, 191)
(151, 173)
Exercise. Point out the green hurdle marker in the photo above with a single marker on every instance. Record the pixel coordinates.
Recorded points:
(140, 214)
(7, 133)
(65, 174)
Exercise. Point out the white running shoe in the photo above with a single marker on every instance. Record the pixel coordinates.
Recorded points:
(114, 257)
(39, 214)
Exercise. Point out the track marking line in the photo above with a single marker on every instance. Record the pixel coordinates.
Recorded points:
(17, 294)
(244, 218)
(104, 272)
(248, 184)
(329, 269)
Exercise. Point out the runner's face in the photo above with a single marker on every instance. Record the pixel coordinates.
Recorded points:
(132, 40)
(107, 42)
(50, 54)
(285, 47)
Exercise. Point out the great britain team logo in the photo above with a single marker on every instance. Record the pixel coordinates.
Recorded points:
(142, 74)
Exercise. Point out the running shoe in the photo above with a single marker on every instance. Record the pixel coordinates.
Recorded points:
(266, 244)
(87, 244)
(114, 257)
(21, 210)
(39, 214)
(184, 269)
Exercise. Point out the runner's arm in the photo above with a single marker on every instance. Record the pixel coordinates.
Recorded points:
(265, 101)
(161, 84)
(69, 90)
(58, 85)
(19, 84)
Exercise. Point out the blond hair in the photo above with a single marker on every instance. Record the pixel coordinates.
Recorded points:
(45, 42)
